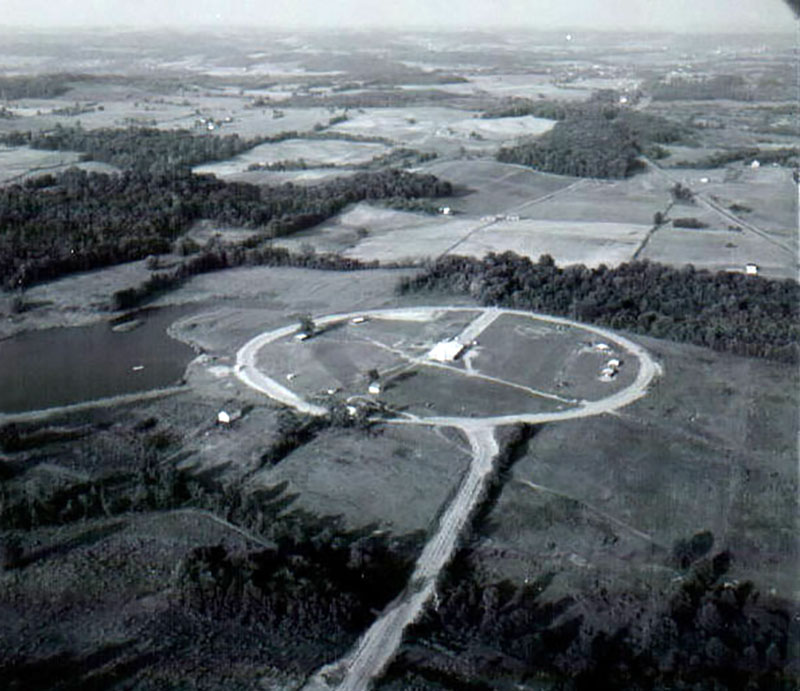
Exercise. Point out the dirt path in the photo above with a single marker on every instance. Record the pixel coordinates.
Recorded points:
(378, 645)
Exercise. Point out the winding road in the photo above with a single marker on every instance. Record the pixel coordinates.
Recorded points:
(378, 645)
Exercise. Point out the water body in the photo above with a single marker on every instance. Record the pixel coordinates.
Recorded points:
(56, 367)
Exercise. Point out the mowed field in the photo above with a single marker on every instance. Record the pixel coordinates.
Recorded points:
(568, 242)
(519, 364)
(711, 448)
(719, 250)
(312, 151)
(488, 187)
(544, 357)
(20, 162)
(633, 200)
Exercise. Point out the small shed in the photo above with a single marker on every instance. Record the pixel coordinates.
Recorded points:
(751, 269)
(374, 388)
(755, 165)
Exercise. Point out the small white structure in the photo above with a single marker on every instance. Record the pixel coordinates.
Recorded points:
(358, 320)
(301, 337)
(352, 411)
(602, 347)
(226, 418)
(755, 165)
(614, 363)
(446, 351)
(374, 388)
(445, 211)
(290, 376)
(751, 269)
(704, 180)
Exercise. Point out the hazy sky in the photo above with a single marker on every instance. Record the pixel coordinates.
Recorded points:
(740, 15)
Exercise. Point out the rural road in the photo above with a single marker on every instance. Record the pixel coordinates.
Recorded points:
(378, 645)
(722, 211)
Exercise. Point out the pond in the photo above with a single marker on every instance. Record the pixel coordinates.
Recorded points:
(56, 367)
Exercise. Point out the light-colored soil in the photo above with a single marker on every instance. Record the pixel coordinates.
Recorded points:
(313, 151)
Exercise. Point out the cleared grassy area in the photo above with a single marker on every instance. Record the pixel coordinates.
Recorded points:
(548, 358)
(394, 478)
(718, 250)
(313, 152)
(16, 162)
(429, 391)
(634, 200)
(711, 448)
(492, 187)
(568, 242)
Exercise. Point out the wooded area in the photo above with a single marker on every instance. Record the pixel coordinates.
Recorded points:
(75, 221)
(726, 311)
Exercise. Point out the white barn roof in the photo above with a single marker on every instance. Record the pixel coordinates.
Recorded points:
(446, 351)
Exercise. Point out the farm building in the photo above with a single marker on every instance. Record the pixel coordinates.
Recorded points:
(751, 269)
(446, 351)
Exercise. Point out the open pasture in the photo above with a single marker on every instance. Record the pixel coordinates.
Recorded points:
(701, 452)
(18, 161)
(429, 238)
(395, 480)
(633, 200)
(568, 242)
(719, 250)
(548, 358)
(493, 188)
(312, 151)
(412, 126)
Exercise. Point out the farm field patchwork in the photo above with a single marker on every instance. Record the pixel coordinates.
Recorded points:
(312, 151)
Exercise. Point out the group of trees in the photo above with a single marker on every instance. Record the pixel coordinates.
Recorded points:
(593, 140)
(726, 311)
(36, 85)
(704, 631)
(74, 221)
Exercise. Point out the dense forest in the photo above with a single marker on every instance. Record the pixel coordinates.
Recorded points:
(37, 86)
(730, 312)
(75, 221)
(593, 140)
(705, 634)
(722, 87)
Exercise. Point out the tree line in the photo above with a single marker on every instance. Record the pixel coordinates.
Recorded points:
(725, 311)
(593, 139)
(76, 221)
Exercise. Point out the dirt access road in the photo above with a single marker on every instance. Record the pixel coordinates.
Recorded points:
(377, 646)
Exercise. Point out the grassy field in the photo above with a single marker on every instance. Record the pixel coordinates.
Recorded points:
(633, 200)
(490, 187)
(18, 161)
(547, 358)
(568, 242)
(711, 448)
(395, 478)
(718, 250)
(313, 152)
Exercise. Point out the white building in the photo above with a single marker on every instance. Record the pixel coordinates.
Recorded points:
(446, 351)
(374, 388)
(751, 269)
